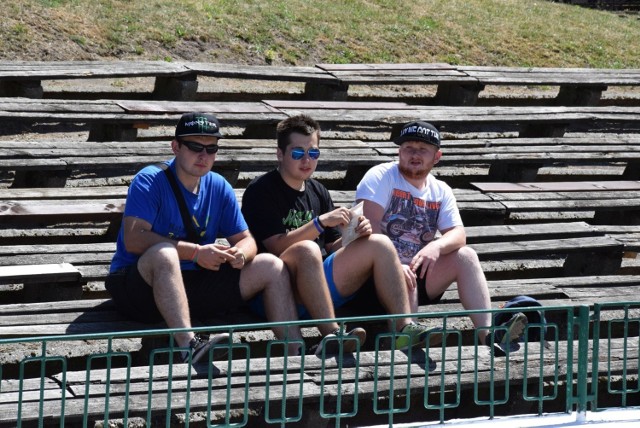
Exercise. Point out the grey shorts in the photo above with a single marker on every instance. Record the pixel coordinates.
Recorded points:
(210, 293)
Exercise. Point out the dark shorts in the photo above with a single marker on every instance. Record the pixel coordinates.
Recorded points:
(423, 298)
(366, 302)
(210, 293)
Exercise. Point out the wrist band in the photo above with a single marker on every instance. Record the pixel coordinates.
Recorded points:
(318, 225)
(194, 256)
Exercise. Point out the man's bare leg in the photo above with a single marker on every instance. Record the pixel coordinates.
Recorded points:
(463, 267)
(304, 261)
(160, 267)
(267, 273)
(374, 255)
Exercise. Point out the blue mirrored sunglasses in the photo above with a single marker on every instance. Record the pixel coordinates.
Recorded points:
(297, 153)
(197, 147)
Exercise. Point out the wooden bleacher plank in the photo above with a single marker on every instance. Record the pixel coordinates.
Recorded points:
(387, 67)
(515, 232)
(59, 70)
(218, 108)
(570, 245)
(515, 164)
(24, 78)
(261, 72)
(614, 202)
(117, 123)
(530, 121)
(461, 85)
(62, 209)
(564, 186)
(545, 76)
(60, 272)
(43, 193)
(578, 86)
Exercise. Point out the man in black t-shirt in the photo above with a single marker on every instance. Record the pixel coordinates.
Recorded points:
(292, 216)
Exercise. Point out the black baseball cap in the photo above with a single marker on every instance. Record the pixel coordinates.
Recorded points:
(198, 124)
(419, 131)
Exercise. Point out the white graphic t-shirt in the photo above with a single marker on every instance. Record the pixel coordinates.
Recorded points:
(412, 216)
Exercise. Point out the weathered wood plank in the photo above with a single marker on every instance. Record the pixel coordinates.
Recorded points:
(58, 70)
(552, 76)
(61, 272)
(44, 193)
(564, 186)
(405, 66)
(257, 72)
(569, 245)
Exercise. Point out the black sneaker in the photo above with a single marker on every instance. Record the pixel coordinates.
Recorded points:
(331, 342)
(506, 340)
(199, 347)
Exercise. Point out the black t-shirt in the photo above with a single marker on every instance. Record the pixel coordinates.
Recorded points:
(271, 207)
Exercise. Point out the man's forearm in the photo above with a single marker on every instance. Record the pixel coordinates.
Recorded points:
(452, 240)
(248, 247)
(140, 241)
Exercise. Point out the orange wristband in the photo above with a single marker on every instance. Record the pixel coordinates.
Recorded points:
(194, 256)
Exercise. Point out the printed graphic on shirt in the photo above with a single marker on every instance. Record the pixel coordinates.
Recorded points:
(201, 231)
(410, 223)
(296, 218)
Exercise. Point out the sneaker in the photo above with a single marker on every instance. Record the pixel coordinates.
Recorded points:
(199, 347)
(506, 340)
(414, 335)
(331, 342)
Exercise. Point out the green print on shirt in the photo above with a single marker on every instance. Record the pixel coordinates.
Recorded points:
(296, 218)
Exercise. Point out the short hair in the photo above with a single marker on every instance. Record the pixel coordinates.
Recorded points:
(302, 124)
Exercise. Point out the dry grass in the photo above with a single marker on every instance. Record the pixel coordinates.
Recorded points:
(302, 32)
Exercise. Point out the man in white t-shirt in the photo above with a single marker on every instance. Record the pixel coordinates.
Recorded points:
(404, 201)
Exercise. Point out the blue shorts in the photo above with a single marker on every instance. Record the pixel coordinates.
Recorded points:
(257, 303)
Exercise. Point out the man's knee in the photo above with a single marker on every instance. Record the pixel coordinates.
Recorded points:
(156, 259)
(379, 247)
(268, 266)
(160, 253)
(307, 250)
(468, 255)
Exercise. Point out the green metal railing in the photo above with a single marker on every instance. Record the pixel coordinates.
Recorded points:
(588, 362)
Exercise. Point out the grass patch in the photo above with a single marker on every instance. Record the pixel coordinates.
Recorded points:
(300, 32)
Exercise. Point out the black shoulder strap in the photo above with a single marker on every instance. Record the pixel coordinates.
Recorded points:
(192, 235)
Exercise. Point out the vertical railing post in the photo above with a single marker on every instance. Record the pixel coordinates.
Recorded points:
(583, 362)
(595, 359)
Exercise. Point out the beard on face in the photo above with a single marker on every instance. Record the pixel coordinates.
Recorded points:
(413, 174)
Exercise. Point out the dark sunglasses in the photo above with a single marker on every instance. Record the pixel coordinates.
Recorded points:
(297, 153)
(197, 147)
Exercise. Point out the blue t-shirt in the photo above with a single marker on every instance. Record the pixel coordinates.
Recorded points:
(215, 211)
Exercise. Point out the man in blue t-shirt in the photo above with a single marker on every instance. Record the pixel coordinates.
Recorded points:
(164, 269)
